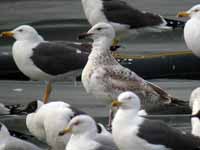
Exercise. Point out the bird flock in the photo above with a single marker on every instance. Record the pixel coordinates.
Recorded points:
(129, 97)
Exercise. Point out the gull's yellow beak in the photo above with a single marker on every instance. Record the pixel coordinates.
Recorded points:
(65, 131)
(7, 34)
(183, 14)
(116, 103)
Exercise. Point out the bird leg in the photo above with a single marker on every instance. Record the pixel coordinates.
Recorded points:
(110, 118)
(47, 92)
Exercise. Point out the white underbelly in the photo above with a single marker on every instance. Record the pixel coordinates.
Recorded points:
(25, 64)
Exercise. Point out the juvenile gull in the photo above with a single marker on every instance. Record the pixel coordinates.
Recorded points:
(131, 131)
(125, 18)
(104, 77)
(8, 142)
(191, 29)
(46, 60)
(85, 136)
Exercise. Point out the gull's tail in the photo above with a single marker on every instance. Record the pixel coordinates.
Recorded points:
(168, 99)
(175, 24)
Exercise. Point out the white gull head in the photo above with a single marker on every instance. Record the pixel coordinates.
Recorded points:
(82, 124)
(25, 32)
(102, 30)
(129, 100)
(194, 12)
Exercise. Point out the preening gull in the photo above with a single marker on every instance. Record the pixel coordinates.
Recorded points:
(191, 29)
(46, 122)
(131, 131)
(46, 60)
(85, 135)
(104, 77)
(125, 18)
(8, 142)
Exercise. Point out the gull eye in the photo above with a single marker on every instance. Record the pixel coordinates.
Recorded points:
(196, 10)
(76, 123)
(99, 29)
(20, 30)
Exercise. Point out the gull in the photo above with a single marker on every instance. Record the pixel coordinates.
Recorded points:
(8, 142)
(85, 136)
(195, 105)
(104, 77)
(191, 29)
(46, 60)
(131, 131)
(46, 122)
(126, 19)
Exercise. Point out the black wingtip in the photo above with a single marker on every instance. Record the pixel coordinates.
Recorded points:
(196, 115)
(175, 24)
(179, 102)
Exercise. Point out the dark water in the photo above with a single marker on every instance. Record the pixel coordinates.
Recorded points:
(64, 20)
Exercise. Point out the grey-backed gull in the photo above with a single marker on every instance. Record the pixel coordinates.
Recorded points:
(45, 60)
(131, 131)
(191, 29)
(125, 18)
(85, 135)
(8, 142)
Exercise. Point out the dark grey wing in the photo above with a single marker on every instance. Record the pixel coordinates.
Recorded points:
(157, 132)
(105, 147)
(17, 144)
(120, 12)
(58, 57)
(106, 142)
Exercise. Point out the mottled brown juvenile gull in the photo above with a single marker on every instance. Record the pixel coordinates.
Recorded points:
(131, 131)
(46, 60)
(104, 76)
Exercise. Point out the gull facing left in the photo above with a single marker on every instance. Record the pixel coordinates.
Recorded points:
(45, 60)
(104, 77)
(132, 131)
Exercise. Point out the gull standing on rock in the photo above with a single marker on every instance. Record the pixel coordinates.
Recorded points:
(104, 77)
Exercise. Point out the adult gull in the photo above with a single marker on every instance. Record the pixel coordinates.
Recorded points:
(191, 29)
(48, 119)
(46, 60)
(132, 131)
(85, 135)
(125, 18)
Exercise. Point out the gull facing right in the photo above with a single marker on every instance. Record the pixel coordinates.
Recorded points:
(104, 77)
